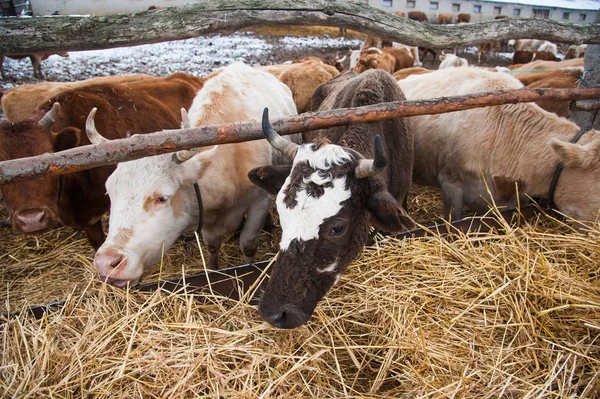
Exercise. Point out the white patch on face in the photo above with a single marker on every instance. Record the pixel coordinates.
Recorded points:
(337, 279)
(328, 269)
(303, 221)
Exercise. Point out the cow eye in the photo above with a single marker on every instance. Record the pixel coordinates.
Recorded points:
(162, 199)
(338, 229)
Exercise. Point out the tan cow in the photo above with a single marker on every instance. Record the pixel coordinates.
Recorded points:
(36, 61)
(388, 59)
(484, 49)
(404, 73)
(153, 201)
(509, 144)
(463, 18)
(302, 78)
(444, 19)
(575, 63)
(20, 102)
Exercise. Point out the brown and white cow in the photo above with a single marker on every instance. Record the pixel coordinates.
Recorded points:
(20, 102)
(388, 59)
(153, 200)
(302, 78)
(533, 45)
(507, 145)
(331, 194)
(525, 56)
(36, 61)
(78, 199)
(575, 51)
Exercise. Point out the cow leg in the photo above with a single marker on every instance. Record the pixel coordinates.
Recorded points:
(254, 222)
(36, 62)
(452, 200)
(2, 67)
(213, 244)
(95, 234)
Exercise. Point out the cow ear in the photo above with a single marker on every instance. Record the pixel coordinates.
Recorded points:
(572, 155)
(270, 178)
(67, 138)
(387, 214)
(505, 188)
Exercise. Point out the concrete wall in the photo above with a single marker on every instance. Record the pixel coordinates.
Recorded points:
(98, 7)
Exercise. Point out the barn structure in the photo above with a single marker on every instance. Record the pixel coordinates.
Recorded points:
(570, 11)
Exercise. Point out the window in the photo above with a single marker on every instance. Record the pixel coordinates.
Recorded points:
(497, 10)
(456, 7)
(544, 14)
(566, 16)
(516, 12)
(387, 3)
(477, 9)
(433, 5)
(410, 3)
(582, 17)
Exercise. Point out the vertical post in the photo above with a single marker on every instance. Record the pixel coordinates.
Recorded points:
(591, 78)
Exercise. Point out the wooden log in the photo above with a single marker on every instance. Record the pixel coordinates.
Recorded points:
(139, 146)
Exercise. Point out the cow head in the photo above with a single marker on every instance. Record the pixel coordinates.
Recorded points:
(152, 203)
(33, 204)
(326, 201)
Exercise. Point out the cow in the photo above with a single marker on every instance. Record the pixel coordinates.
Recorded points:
(505, 145)
(418, 16)
(153, 200)
(36, 61)
(444, 19)
(413, 52)
(533, 45)
(78, 199)
(525, 56)
(401, 14)
(576, 51)
(576, 63)
(463, 18)
(427, 51)
(337, 62)
(20, 102)
(403, 73)
(557, 79)
(388, 59)
(484, 49)
(332, 193)
(452, 61)
(302, 78)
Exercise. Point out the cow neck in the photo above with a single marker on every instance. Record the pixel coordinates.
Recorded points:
(557, 172)
(200, 209)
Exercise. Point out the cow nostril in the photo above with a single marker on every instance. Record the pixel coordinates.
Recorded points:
(117, 261)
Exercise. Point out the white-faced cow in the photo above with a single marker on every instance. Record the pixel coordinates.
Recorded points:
(331, 194)
(78, 199)
(153, 200)
(508, 144)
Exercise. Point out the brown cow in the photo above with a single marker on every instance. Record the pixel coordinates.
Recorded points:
(404, 73)
(331, 195)
(540, 64)
(20, 102)
(418, 16)
(444, 19)
(36, 61)
(389, 59)
(78, 199)
(483, 49)
(554, 79)
(525, 56)
(302, 78)
(463, 18)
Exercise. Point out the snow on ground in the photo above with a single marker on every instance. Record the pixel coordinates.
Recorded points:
(198, 56)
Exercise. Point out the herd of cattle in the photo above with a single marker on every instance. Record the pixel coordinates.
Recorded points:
(329, 185)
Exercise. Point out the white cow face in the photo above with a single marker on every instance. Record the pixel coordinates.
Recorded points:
(152, 204)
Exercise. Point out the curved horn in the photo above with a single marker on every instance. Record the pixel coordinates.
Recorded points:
(48, 120)
(90, 129)
(185, 119)
(371, 167)
(341, 60)
(286, 147)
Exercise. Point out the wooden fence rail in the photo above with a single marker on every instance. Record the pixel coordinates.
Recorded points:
(139, 146)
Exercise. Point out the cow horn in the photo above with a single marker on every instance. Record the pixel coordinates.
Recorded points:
(48, 120)
(371, 167)
(286, 147)
(90, 129)
(185, 119)
(341, 60)
(184, 155)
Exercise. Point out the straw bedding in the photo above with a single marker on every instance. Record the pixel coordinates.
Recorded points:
(514, 313)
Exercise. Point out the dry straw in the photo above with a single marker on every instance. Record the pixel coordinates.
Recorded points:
(514, 314)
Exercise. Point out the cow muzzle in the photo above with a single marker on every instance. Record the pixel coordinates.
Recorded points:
(286, 316)
(111, 266)
(33, 220)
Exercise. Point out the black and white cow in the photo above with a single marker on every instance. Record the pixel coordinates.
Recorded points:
(332, 193)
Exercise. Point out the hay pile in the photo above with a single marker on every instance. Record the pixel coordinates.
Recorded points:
(511, 314)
